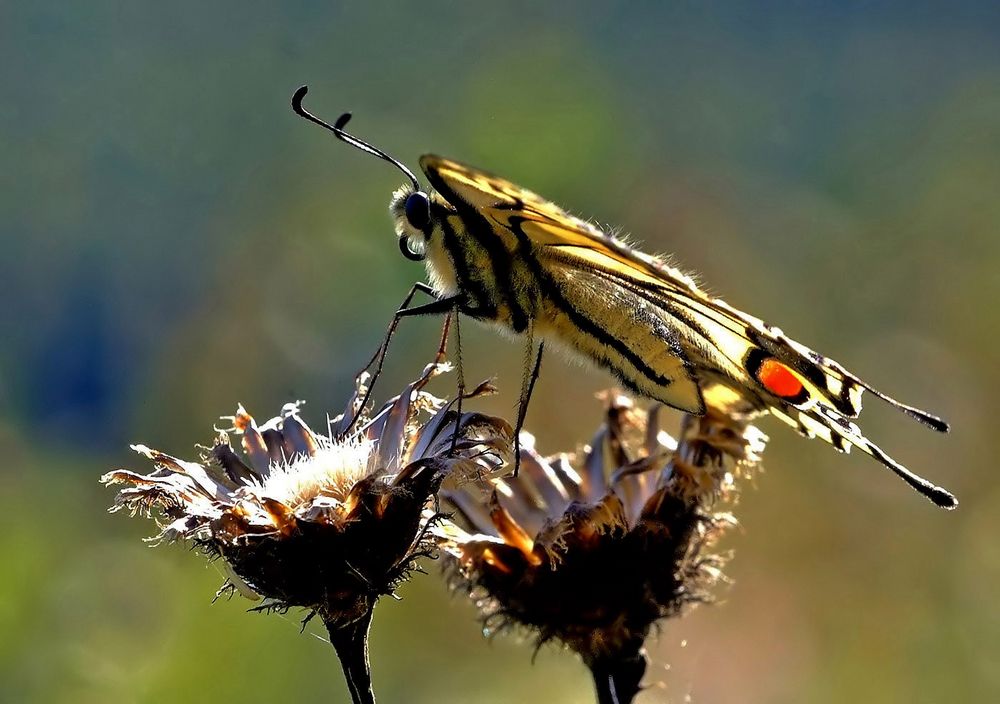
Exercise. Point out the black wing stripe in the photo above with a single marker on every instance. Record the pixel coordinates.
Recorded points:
(583, 323)
(480, 294)
(479, 228)
(681, 314)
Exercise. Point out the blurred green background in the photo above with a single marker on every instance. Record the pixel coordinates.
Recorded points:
(175, 240)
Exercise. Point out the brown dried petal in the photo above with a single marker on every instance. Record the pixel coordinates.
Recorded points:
(212, 487)
(299, 439)
(234, 467)
(512, 533)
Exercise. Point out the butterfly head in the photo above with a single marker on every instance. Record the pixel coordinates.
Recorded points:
(411, 211)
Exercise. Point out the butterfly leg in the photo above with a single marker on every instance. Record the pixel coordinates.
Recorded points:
(418, 287)
(461, 378)
(527, 387)
(438, 306)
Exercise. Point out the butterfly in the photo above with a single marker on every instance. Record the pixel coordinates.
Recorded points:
(501, 254)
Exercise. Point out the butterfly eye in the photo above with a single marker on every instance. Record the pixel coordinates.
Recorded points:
(418, 210)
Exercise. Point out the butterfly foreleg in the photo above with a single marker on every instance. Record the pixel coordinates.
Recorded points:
(439, 306)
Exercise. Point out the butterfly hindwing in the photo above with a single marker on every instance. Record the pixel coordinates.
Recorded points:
(616, 329)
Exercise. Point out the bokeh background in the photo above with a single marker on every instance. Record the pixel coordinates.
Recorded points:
(175, 240)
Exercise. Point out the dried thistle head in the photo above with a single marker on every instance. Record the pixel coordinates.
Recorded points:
(325, 521)
(591, 550)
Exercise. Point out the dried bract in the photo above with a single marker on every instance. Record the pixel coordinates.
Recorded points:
(592, 550)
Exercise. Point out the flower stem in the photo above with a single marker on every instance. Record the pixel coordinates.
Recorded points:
(617, 677)
(351, 644)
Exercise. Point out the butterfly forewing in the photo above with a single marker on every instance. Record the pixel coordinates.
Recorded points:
(480, 189)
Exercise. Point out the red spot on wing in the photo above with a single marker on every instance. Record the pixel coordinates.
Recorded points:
(779, 379)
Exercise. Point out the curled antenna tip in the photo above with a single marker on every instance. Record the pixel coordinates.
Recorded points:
(297, 99)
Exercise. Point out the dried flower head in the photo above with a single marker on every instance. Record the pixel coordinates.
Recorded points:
(591, 551)
(327, 522)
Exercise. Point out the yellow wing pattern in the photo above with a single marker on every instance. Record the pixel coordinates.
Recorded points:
(673, 341)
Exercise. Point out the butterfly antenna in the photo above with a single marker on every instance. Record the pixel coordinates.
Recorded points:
(338, 129)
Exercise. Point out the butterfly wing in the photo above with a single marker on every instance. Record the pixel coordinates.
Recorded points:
(708, 341)
(581, 313)
(613, 327)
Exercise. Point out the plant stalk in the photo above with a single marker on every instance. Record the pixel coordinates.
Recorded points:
(351, 643)
(617, 678)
